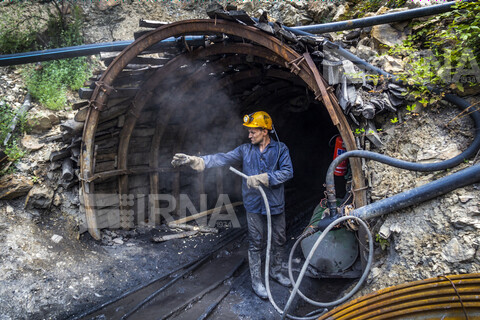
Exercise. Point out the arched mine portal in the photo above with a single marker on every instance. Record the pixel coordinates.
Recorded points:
(154, 101)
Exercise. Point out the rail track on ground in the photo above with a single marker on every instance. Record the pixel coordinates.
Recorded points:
(191, 291)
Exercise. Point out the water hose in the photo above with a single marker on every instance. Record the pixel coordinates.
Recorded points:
(284, 312)
(459, 102)
(309, 257)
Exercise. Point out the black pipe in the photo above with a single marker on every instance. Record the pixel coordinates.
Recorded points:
(360, 62)
(62, 53)
(420, 194)
(423, 167)
(84, 50)
(461, 103)
(381, 19)
(89, 49)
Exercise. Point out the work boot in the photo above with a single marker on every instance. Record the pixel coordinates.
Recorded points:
(255, 263)
(276, 268)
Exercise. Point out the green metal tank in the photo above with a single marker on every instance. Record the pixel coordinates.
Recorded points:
(336, 253)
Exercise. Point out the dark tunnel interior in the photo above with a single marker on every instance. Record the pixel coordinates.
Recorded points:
(194, 103)
(207, 118)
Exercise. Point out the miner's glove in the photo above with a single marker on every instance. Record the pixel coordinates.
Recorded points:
(181, 159)
(256, 180)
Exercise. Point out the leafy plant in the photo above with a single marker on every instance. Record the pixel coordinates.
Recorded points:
(11, 148)
(50, 81)
(359, 131)
(49, 85)
(17, 34)
(396, 3)
(363, 7)
(443, 52)
(384, 243)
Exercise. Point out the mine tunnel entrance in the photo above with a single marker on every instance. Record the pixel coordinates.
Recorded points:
(154, 101)
(189, 96)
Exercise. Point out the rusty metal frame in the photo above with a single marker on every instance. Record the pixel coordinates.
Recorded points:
(274, 49)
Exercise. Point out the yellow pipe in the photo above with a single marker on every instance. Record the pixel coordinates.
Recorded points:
(418, 298)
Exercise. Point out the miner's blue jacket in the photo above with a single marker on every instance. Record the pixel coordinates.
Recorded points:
(256, 162)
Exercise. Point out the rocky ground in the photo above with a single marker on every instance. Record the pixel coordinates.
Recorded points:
(48, 270)
(440, 236)
(48, 273)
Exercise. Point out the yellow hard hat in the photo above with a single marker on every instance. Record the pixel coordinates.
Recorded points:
(259, 119)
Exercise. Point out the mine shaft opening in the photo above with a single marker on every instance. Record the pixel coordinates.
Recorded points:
(150, 104)
(198, 108)
(205, 113)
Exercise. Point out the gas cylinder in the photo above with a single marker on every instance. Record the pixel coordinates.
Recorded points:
(341, 169)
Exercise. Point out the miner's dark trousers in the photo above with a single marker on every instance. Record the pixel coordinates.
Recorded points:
(257, 230)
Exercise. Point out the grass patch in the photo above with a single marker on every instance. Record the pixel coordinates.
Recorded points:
(52, 25)
(49, 85)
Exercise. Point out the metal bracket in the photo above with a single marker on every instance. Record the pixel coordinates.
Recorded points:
(93, 104)
(105, 87)
(293, 65)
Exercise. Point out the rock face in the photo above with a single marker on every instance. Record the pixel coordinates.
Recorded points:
(12, 187)
(437, 237)
(387, 35)
(41, 120)
(389, 64)
(105, 5)
(31, 143)
(456, 252)
(39, 197)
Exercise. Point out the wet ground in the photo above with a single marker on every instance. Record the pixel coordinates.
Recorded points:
(42, 279)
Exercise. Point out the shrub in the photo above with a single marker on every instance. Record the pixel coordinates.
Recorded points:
(50, 82)
(17, 34)
(443, 52)
(11, 148)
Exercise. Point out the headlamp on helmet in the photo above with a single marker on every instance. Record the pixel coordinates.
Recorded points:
(259, 119)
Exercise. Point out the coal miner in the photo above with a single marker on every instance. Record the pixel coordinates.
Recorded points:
(267, 162)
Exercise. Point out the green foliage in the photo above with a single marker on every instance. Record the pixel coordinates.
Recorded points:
(384, 243)
(12, 150)
(63, 30)
(395, 3)
(443, 52)
(359, 131)
(365, 6)
(362, 131)
(50, 83)
(17, 34)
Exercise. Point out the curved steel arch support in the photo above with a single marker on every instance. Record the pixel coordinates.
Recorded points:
(273, 49)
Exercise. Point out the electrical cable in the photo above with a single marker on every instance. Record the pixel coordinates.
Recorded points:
(278, 141)
(307, 261)
(310, 255)
(459, 102)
